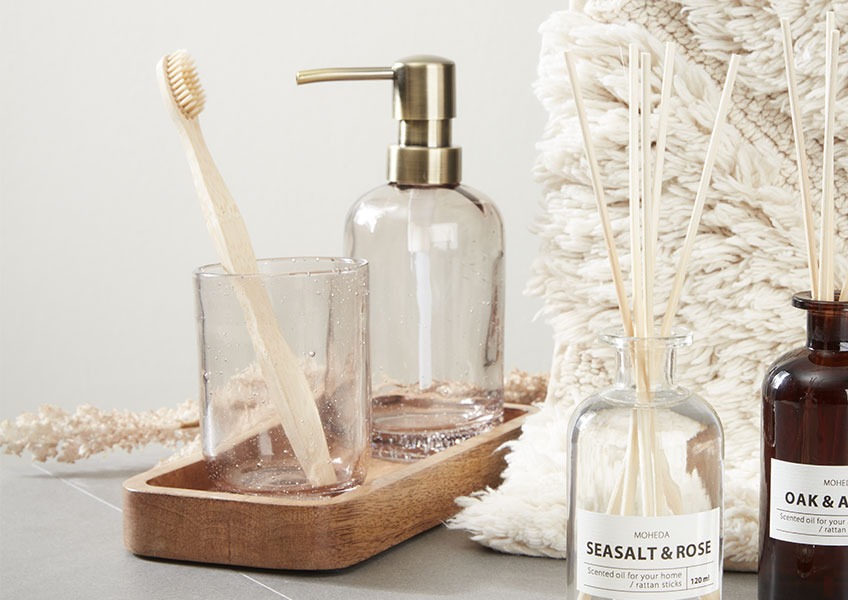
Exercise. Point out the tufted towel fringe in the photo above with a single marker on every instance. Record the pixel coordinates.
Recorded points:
(749, 257)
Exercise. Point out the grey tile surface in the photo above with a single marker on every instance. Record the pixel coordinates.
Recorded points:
(61, 537)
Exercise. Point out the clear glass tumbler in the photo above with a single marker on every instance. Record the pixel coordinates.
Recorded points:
(284, 375)
(645, 483)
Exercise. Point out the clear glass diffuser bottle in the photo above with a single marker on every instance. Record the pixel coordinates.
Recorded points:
(645, 477)
(804, 484)
(435, 251)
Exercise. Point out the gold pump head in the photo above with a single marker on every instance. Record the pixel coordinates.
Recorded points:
(424, 104)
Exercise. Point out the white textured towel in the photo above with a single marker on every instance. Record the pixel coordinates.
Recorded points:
(749, 257)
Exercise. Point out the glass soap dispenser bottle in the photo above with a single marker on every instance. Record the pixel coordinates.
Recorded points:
(436, 260)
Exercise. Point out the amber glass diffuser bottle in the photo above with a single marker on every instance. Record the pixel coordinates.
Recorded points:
(804, 485)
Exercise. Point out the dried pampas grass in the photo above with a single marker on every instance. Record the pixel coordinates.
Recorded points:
(53, 433)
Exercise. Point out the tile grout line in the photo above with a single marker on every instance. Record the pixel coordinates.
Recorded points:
(78, 488)
(249, 578)
(110, 505)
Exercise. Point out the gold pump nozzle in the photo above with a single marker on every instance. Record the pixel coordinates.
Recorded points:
(344, 74)
(424, 103)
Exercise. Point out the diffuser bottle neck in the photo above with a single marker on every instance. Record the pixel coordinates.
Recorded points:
(827, 323)
(647, 363)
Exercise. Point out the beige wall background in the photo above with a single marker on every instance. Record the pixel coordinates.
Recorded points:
(99, 226)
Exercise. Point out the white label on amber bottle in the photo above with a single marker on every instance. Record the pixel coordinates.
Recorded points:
(809, 504)
(671, 558)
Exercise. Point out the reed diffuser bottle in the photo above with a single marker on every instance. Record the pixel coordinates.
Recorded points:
(804, 484)
(645, 482)
(645, 456)
(804, 470)
(435, 253)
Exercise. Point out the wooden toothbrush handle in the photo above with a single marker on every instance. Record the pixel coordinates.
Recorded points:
(287, 384)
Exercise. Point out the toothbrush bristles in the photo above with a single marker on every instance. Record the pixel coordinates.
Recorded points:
(185, 84)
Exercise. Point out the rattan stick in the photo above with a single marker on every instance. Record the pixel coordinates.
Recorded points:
(637, 277)
(600, 200)
(622, 500)
(700, 196)
(671, 491)
(662, 132)
(801, 158)
(636, 93)
(661, 479)
(628, 501)
(826, 280)
(645, 353)
(648, 237)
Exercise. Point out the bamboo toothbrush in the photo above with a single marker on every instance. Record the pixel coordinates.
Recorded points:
(287, 384)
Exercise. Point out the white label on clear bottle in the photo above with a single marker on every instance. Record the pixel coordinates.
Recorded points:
(809, 504)
(672, 558)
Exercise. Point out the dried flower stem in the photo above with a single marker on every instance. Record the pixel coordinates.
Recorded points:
(53, 433)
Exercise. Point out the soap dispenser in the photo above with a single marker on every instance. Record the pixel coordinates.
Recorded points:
(436, 261)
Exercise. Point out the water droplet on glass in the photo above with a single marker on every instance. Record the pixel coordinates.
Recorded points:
(311, 354)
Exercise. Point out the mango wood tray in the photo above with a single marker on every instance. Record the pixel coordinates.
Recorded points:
(173, 511)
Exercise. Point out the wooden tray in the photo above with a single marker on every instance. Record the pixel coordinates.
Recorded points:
(173, 512)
